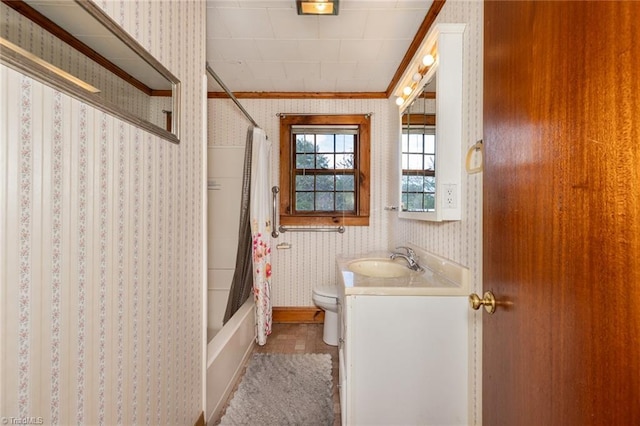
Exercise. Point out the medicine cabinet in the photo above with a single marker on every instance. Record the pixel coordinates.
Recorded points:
(430, 137)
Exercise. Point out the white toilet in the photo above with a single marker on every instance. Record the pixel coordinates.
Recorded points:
(326, 297)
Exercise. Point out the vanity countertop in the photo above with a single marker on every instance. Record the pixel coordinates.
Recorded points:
(441, 277)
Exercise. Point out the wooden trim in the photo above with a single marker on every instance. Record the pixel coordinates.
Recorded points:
(299, 95)
(165, 93)
(361, 218)
(59, 32)
(316, 220)
(168, 120)
(299, 315)
(200, 421)
(419, 119)
(428, 21)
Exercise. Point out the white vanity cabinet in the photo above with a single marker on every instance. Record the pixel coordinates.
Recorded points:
(403, 360)
(404, 346)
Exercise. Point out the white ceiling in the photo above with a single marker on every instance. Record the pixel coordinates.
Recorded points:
(264, 46)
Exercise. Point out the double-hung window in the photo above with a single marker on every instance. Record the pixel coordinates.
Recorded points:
(324, 169)
(418, 165)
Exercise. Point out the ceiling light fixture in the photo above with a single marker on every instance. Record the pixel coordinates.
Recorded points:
(320, 7)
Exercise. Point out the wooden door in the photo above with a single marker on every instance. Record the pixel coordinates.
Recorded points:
(562, 213)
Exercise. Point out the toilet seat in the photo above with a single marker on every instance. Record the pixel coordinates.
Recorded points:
(326, 298)
(326, 291)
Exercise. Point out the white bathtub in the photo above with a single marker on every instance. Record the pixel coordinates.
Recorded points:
(226, 355)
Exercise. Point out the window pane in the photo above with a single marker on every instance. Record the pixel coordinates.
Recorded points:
(344, 161)
(429, 162)
(324, 183)
(304, 143)
(304, 183)
(324, 143)
(304, 201)
(345, 183)
(405, 161)
(324, 161)
(429, 202)
(405, 201)
(415, 162)
(345, 201)
(324, 201)
(415, 143)
(429, 144)
(429, 184)
(415, 201)
(405, 183)
(405, 143)
(415, 184)
(345, 143)
(304, 161)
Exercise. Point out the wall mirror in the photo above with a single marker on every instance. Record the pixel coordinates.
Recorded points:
(74, 46)
(418, 152)
(430, 137)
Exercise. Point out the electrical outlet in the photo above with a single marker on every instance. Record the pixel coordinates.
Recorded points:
(450, 196)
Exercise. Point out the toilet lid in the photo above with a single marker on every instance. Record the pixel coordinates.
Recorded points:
(326, 290)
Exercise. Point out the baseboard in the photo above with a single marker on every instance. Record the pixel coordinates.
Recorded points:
(200, 421)
(297, 314)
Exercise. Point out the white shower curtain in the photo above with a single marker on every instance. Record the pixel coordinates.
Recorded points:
(261, 232)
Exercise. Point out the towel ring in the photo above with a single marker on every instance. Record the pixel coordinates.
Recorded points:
(477, 147)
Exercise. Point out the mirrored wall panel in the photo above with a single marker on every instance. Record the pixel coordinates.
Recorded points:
(418, 153)
(76, 47)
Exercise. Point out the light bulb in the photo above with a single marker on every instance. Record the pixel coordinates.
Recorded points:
(428, 60)
(417, 77)
(321, 6)
(407, 90)
(399, 100)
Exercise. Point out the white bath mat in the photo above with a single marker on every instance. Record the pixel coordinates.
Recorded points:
(283, 389)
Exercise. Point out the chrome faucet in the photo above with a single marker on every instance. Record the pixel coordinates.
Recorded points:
(410, 257)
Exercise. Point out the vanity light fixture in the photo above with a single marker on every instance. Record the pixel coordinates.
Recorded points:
(423, 68)
(428, 60)
(319, 7)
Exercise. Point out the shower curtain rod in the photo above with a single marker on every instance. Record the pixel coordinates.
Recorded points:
(231, 95)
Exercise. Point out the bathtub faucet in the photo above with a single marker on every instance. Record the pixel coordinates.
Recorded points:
(410, 257)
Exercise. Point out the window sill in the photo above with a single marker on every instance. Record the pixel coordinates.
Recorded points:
(324, 220)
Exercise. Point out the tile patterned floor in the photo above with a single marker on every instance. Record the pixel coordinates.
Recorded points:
(300, 339)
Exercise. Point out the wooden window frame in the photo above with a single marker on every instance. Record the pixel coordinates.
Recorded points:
(362, 168)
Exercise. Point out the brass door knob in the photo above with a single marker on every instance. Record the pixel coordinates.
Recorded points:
(489, 302)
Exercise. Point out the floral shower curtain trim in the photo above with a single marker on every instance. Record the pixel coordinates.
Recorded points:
(260, 233)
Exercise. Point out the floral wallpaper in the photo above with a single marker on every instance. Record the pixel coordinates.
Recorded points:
(101, 242)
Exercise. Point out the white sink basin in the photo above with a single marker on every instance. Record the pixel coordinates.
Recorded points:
(379, 268)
